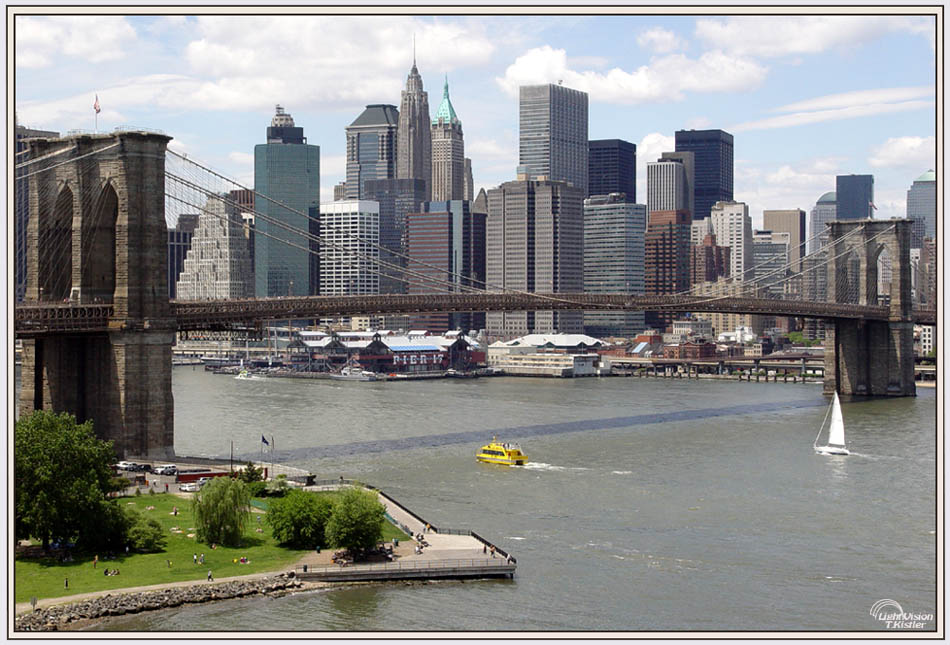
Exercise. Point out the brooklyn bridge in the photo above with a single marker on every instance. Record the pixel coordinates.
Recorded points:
(98, 327)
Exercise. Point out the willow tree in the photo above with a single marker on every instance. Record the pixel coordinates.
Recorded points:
(222, 511)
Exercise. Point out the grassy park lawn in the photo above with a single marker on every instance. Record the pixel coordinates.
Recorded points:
(44, 577)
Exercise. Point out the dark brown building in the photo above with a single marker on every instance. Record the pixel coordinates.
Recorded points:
(708, 261)
(666, 259)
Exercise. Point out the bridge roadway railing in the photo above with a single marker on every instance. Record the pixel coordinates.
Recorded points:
(33, 319)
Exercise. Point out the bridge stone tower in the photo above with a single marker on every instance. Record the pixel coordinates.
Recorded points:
(864, 357)
(97, 233)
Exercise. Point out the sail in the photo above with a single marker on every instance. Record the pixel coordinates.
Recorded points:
(836, 430)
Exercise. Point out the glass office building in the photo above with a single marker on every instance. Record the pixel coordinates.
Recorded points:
(287, 182)
(553, 140)
(712, 169)
(854, 196)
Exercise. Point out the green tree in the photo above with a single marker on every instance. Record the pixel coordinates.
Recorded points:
(62, 475)
(300, 518)
(222, 510)
(145, 533)
(357, 520)
(251, 473)
(278, 487)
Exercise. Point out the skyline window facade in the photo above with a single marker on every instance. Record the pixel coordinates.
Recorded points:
(922, 208)
(448, 152)
(413, 141)
(713, 167)
(287, 177)
(552, 139)
(349, 263)
(612, 168)
(791, 221)
(732, 227)
(370, 148)
(854, 196)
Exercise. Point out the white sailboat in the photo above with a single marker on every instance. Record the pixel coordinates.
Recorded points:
(836, 445)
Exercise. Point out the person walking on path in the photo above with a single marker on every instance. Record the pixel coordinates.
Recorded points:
(201, 559)
(95, 560)
(66, 582)
(210, 577)
(194, 558)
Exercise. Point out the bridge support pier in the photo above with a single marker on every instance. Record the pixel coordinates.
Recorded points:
(869, 358)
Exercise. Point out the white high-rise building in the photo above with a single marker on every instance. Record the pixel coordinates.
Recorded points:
(667, 186)
(348, 258)
(733, 228)
(218, 264)
(922, 208)
(825, 210)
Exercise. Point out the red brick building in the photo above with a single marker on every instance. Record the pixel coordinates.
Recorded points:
(666, 259)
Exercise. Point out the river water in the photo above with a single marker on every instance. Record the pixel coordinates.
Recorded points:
(648, 504)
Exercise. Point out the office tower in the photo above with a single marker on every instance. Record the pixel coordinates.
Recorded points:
(446, 242)
(732, 227)
(922, 208)
(448, 152)
(468, 185)
(612, 168)
(179, 241)
(241, 202)
(928, 272)
(414, 144)
(21, 191)
(287, 184)
(854, 195)
(396, 198)
(534, 241)
(708, 261)
(553, 141)
(349, 261)
(339, 191)
(614, 230)
(666, 259)
(217, 266)
(667, 186)
(728, 322)
(713, 167)
(770, 255)
(791, 221)
(825, 210)
(370, 148)
(688, 159)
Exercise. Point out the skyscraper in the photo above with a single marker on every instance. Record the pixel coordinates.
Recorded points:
(613, 260)
(825, 210)
(770, 255)
(21, 191)
(790, 221)
(348, 264)
(446, 241)
(667, 185)
(534, 241)
(218, 265)
(179, 241)
(553, 133)
(448, 152)
(922, 208)
(666, 259)
(612, 168)
(287, 182)
(396, 198)
(371, 148)
(733, 228)
(713, 166)
(854, 196)
(688, 159)
(468, 186)
(414, 143)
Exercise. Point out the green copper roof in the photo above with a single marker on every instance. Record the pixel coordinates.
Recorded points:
(831, 197)
(930, 175)
(446, 111)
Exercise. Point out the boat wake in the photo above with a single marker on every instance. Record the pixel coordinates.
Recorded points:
(621, 472)
(535, 465)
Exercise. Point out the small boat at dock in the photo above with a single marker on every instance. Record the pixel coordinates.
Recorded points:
(505, 453)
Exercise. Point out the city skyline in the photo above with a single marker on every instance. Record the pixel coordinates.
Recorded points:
(806, 97)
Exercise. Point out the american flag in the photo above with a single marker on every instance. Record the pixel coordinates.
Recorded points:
(95, 106)
(871, 204)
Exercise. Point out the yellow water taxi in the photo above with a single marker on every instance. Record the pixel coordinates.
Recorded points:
(496, 452)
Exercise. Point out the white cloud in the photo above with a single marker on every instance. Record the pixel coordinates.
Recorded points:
(91, 38)
(908, 152)
(796, 185)
(698, 123)
(859, 97)
(804, 118)
(661, 41)
(491, 149)
(666, 78)
(774, 36)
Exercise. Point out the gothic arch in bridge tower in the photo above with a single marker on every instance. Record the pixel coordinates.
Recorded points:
(98, 280)
(55, 249)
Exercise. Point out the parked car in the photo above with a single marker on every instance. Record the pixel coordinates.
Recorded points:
(190, 487)
(127, 465)
(167, 469)
(203, 480)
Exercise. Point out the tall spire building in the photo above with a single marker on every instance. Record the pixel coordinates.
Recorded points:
(413, 139)
(448, 152)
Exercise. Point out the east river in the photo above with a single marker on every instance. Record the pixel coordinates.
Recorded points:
(648, 504)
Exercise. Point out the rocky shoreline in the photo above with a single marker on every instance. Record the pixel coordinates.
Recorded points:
(70, 616)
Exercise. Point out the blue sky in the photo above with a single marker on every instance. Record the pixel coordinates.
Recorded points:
(807, 97)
